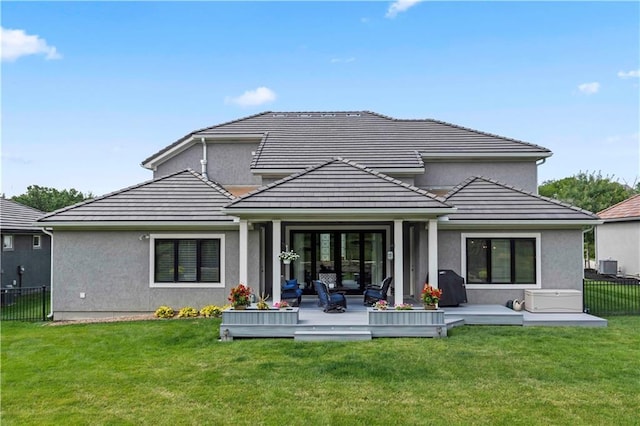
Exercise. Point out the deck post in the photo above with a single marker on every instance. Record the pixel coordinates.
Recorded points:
(433, 252)
(243, 252)
(276, 248)
(398, 264)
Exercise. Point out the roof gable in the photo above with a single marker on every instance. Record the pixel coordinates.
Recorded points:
(297, 140)
(17, 217)
(481, 199)
(627, 209)
(338, 184)
(184, 196)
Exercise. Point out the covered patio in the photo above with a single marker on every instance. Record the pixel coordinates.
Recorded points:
(311, 323)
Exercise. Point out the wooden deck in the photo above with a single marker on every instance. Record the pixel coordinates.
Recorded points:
(355, 324)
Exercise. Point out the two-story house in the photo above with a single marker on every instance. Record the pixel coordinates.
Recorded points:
(359, 194)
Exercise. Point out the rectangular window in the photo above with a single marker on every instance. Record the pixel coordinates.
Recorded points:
(501, 260)
(7, 242)
(37, 241)
(187, 260)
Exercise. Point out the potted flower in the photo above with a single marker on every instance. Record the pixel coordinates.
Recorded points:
(430, 296)
(283, 304)
(288, 256)
(381, 305)
(240, 296)
(404, 307)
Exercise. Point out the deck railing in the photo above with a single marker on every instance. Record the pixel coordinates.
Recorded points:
(612, 297)
(25, 304)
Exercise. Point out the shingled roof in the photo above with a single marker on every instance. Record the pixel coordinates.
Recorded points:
(628, 209)
(339, 185)
(180, 197)
(16, 217)
(297, 140)
(480, 199)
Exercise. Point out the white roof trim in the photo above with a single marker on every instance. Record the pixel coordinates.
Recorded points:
(473, 155)
(355, 214)
(138, 225)
(531, 223)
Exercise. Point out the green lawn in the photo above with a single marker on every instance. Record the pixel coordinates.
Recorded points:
(176, 372)
(610, 298)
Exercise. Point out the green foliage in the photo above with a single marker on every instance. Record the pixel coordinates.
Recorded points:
(164, 312)
(211, 311)
(50, 199)
(589, 191)
(188, 312)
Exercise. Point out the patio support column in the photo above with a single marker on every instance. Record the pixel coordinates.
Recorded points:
(243, 255)
(398, 264)
(275, 249)
(433, 252)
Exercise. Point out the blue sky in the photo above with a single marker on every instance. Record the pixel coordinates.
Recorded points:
(90, 89)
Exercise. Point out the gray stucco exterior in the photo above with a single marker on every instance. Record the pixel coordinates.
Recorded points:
(447, 174)
(228, 163)
(119, 283)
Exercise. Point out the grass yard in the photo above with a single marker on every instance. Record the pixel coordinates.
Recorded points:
(176, 372)
(611, 298)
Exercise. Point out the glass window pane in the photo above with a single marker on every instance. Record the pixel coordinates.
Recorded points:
(187, 260)
(302, 266)
(210, 261)
(500, 261)
(525, 253)
(477, 250)
(164, 261)
(374, 258)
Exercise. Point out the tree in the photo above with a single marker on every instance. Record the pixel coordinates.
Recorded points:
(589, 191)
(50, 199)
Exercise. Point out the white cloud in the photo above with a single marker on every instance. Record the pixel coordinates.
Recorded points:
(259, 96)
(17, 43)
(346, 61)
(589, 88)
(629, 74)
(400, 6)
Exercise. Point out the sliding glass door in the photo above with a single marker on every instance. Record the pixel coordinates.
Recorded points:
(346, 260)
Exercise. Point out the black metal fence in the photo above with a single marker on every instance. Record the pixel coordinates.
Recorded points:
(25, 304)
(612, 297)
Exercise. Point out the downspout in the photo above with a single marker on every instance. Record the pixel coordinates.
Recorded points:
(203, 162)
(50, 234)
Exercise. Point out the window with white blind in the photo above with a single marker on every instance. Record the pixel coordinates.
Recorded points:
(180, 260)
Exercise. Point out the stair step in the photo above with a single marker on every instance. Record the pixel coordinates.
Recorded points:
(327, 335)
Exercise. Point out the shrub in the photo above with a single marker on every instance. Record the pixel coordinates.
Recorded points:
(211, 311)
(164, 312)
(188, 312)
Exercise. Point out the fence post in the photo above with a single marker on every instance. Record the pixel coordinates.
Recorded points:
(44, 303)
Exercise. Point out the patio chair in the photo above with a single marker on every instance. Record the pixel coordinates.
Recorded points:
(330, 302)
(374, 293)
(291, 292)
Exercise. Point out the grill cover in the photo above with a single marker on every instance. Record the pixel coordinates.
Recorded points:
(453, 289)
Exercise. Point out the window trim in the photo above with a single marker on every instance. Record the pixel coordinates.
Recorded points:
(39, 245)
(152, 255)
(496, 235)
(11, 246)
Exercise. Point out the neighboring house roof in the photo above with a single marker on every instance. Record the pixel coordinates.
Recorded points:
(296, 140)
(628, 209)
(484, 200)
(16, 217)
(184, 196)
(339, 186)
